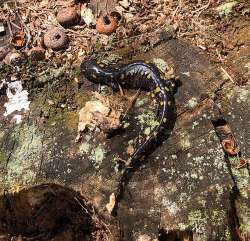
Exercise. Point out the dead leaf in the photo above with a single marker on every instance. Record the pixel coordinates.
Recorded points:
(110, 206)
(19, 40)
(88, 16)
(124, 3)
(98, 113)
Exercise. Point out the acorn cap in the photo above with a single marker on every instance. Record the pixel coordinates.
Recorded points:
(55, 39)
(68, 17)
(106, 24)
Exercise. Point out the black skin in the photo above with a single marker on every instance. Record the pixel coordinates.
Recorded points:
(135, 75)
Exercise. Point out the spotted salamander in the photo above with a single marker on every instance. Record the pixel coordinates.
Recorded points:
(136, 75)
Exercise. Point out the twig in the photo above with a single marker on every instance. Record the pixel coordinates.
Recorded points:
(16, 26)
(177, 8)
(26, 29)
(227, 74)
(131, 102)
(9, 27)
(201, 9)
(219, 55)
(190, 33)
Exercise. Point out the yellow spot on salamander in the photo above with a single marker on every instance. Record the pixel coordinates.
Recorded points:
(94, 76)
(166, 88)
(157, 90)
(102, 65)
(148, 76)
(161, 103)
(169, 103)
(164, 120)
(153, 95)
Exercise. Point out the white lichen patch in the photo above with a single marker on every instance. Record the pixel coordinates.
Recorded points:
(17, 100)
(186, 73)
(243, 96)
(197, 221)
(172, 207)
(226, 8)
(218, 217)
(140, 102)
(147, 131)
(192, 103)
(149, 120)
(161, 64)
(97, 156)
(195, 123)
(84, 148)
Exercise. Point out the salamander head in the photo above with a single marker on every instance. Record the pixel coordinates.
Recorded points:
(90, 69)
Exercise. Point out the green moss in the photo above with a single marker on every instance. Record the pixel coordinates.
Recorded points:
(3, 157)
(71, 119)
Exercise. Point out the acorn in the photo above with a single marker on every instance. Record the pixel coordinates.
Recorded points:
(55, 39)
(68, 17)
(106, 24)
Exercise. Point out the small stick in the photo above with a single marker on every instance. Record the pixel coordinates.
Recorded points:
(131, 102)
(175, 11)
(227, 74)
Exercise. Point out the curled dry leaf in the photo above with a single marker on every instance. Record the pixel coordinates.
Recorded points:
(99, 114)
(229, 147)
(242, 163)
(12, 57)
(18, 40)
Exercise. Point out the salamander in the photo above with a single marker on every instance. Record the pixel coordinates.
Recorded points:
(136, 75)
